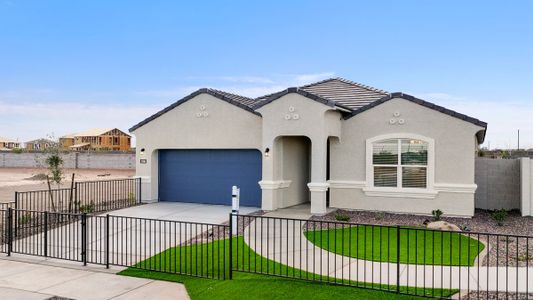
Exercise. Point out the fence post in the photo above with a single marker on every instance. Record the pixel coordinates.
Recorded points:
(45, 234)
(398, 258)
(16, 209)
(76, 203)
(107, 241)
(231, 245)
(9, 231)
(140, 191)
(84, 238)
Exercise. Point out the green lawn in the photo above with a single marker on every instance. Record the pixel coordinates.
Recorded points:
(417, 246)
(194, 260)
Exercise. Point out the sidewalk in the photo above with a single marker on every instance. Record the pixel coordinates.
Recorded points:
(284, 242)
(39, 281)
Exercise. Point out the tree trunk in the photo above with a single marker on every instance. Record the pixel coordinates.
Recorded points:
(50, 193)
(71, 194)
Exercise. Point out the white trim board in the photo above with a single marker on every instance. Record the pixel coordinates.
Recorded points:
(437, 187)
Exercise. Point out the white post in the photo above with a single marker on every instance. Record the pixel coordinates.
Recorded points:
(235, 192)
(526, 197)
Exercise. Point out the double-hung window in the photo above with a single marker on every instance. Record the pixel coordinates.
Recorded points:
(400, 163)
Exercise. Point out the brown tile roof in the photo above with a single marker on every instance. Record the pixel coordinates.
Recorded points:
(345, 93)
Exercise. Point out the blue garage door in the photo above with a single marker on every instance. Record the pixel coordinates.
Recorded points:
(206, 176)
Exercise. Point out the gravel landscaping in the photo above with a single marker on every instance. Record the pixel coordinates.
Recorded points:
(502, 250)
(497, 296)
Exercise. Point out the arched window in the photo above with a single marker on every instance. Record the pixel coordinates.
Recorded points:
(400, 161)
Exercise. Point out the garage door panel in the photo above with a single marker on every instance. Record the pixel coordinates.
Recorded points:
(206, 176)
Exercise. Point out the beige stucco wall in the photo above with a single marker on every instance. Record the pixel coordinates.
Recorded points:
(226, 126)
(229, 127)
(454, 143)
(313, 120)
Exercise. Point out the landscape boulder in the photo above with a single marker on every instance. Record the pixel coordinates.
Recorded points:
(443, 225)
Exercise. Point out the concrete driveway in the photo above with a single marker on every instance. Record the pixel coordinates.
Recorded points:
(179, 211)
(135, 234)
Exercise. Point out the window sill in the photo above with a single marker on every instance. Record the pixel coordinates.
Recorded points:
(400, 193)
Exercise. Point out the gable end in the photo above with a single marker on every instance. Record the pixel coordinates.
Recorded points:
(275, 96)
(211, 92)
(480, 135)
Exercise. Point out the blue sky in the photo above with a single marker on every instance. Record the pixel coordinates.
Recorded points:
(69, 65)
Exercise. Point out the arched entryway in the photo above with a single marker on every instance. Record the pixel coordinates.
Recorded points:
(293, 169)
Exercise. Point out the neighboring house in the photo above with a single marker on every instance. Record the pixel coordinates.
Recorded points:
(110, 139)
(39, 144)
(8, 144)
(334, 143)
(67, 141)
(102, 139)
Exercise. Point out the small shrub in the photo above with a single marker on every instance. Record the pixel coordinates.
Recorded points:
(499, 216)
(131, 198)
(437, 213)
(24, 219)
(342, 217)
(380, 215)
(525, 258)
(87, 208)
(17, 150)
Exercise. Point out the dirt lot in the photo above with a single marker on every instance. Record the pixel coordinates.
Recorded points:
(19, 179)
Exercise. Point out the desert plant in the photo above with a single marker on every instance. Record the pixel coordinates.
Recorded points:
(437, 213)
(499, 216)
(17, 150)
(24, 219)
(131, 197)
(342, 217)
(54, 164)
(87, 208)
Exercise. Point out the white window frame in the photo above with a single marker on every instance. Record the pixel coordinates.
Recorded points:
(427, 192)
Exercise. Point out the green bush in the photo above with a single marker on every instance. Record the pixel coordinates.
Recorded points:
(87, 208)
(131, 198)
(17, 150)
(499, 216)
(342, 217)
(437, 213)
(24, 219)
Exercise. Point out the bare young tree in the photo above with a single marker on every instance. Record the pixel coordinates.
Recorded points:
(54, 163)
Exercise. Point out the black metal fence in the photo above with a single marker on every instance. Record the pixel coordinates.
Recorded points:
(146, 244)
(88, 196)
(396, 259)
(405, 260)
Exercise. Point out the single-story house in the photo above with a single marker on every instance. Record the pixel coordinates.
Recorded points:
(334, 143)
(39, 144)
(7, 144)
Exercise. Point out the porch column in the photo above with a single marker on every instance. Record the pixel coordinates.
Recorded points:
(318, 185)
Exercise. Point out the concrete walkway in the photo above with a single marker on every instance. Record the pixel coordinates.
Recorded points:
(28, 281)
(284, 242)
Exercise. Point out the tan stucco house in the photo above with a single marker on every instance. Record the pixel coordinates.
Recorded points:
(334, 143)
